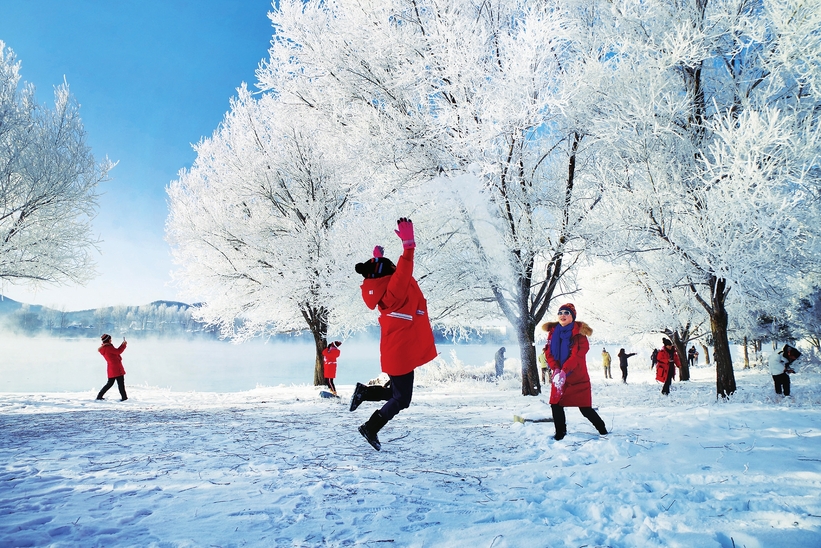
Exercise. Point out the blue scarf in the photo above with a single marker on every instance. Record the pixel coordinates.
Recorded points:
(560, 342)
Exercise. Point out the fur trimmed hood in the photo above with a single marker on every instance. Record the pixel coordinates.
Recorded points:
(580, 327)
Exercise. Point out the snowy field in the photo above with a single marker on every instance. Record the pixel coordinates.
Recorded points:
(279, 466)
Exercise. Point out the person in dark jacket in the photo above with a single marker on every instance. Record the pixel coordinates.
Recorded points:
(114, 363)
(666, 362)
(566, 352)
(406, 340)
(623, 364)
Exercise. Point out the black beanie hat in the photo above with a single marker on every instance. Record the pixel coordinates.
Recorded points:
(790, 352)
(106, 338)
(376, 267)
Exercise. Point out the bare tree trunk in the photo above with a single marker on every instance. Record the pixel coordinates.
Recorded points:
(681, 349)
(746, 355)
(706, 353)
(317, 319)
(725, 378)
(531, 385)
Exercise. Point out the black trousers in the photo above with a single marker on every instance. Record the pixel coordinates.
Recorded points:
(623, 373)
(666, 388)
(560, 420)
(397, 395)
(782, 382)
(120, 385)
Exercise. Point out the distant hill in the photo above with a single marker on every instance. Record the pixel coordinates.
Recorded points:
(8, 306)
(165, 318)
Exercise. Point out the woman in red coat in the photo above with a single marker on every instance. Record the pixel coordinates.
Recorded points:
(116, 372)
(666, 362)
(329, 357)
(407, 338)
(565, 352)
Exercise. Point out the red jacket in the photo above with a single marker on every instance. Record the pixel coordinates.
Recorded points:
(663, 363)
(329, 356)
(407, 338)
(113, 359)
(577, 384)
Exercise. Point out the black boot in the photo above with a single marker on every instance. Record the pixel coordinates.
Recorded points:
(358, 396)
(372, 427)
(370, 393)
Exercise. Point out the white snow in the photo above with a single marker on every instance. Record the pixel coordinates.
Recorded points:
(279, 466)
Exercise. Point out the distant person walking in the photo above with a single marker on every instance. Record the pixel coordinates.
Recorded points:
(565, 351)
(623, 364)
(666, 362)
(780, 366)
(500, 361)
(605, 361)
(406, 336)
(114, 362)
(329, 357)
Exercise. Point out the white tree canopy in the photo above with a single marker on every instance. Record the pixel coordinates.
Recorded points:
(262, 224)
(48, 185)
(711, 116)
(483, 107)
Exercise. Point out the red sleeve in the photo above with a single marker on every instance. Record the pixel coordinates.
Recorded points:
(121, 348)
(400, 280)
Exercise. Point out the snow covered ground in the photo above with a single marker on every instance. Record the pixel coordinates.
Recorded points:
(279, 466)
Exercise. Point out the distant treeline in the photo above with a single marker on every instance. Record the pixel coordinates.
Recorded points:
(160, 318)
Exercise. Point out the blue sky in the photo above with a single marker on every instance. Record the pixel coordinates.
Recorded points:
(152, 77)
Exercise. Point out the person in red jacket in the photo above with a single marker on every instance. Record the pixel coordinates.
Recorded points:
(406, 335)
(666, 362)
(565, 351)
(329, 357)
(116, 372)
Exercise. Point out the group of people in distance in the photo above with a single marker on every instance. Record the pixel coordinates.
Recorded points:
(407, 342)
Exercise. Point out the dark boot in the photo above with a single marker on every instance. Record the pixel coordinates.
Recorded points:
(357, 397)
(559, 421)
(369, 393)
(372, 427)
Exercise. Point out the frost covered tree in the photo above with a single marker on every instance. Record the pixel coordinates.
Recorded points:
(262, 225)
(48, 185)
(635, 303)
(712, 117)
(484, 113)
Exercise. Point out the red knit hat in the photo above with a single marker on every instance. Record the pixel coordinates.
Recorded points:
(106, 338)
(570, 308)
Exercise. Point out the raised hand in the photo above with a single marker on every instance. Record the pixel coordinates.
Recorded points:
(405, 232)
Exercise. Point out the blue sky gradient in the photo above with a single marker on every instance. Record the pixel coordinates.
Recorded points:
(152, 77)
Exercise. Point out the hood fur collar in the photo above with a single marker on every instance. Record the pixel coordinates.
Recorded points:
(580, 327)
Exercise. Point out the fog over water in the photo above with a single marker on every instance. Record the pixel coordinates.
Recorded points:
(43, 364)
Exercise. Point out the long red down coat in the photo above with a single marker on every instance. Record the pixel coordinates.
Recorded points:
(407, 337)
(663, 363)
(329, 356)
(577, 384)
(113, 359)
